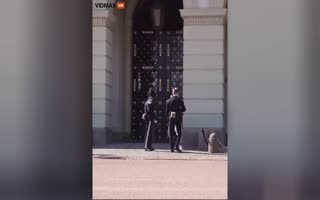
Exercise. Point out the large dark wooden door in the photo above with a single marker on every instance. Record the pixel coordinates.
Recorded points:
(157, 63)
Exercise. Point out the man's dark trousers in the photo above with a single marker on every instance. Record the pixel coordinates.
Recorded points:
(149, 133)
(175, 137)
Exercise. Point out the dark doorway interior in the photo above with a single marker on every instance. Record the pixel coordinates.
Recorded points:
(148, 13)
(157, 59)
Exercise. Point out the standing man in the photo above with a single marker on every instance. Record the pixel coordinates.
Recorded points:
(175, 108)
(149, 116)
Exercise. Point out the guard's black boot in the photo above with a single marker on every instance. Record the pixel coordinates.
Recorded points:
(149, 149)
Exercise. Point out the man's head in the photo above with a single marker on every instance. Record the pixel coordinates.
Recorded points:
(175, 91)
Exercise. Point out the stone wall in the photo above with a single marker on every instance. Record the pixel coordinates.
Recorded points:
(204, 69)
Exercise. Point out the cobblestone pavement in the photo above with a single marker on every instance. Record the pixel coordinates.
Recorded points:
(125, 171)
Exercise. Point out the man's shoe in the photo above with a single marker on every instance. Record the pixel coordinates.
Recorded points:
(149, 149)
(178, 150)
(172, 150)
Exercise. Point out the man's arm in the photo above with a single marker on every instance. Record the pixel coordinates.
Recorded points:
(183, 107)
(168, 108)
(145, 109)
(156, 110)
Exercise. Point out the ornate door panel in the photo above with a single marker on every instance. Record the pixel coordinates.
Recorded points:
(174, 61)
(157, 63)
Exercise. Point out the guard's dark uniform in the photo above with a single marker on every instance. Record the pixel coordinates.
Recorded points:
(149, 110)
(175, 104)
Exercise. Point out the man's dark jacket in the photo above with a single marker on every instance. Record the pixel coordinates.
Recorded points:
(150, 109)
(175, 104)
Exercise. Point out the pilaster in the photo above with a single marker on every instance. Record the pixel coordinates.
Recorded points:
(103, 21)
(204, 63)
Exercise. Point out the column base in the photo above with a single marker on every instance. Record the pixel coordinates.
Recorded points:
(102, 136)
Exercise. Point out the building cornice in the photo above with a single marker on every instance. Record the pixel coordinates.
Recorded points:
(204, 16)
(204, 4)
(204, 12)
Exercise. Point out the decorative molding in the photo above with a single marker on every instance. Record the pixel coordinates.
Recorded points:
(103, 19)
(204, 12)
(102, 22)
(204, 16)
(204, 3)
(204, 20)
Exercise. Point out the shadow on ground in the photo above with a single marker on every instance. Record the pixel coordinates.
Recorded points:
(189, 151)
(132, 145)
(157, 146)
(113, 157)
(108, 156)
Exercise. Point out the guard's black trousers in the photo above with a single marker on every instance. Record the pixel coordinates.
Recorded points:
(174, 136)
(150, 127)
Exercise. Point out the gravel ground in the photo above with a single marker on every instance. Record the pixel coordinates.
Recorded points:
(125, 171)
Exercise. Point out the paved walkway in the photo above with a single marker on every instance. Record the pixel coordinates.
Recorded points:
(135, 151)
(125, 171)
